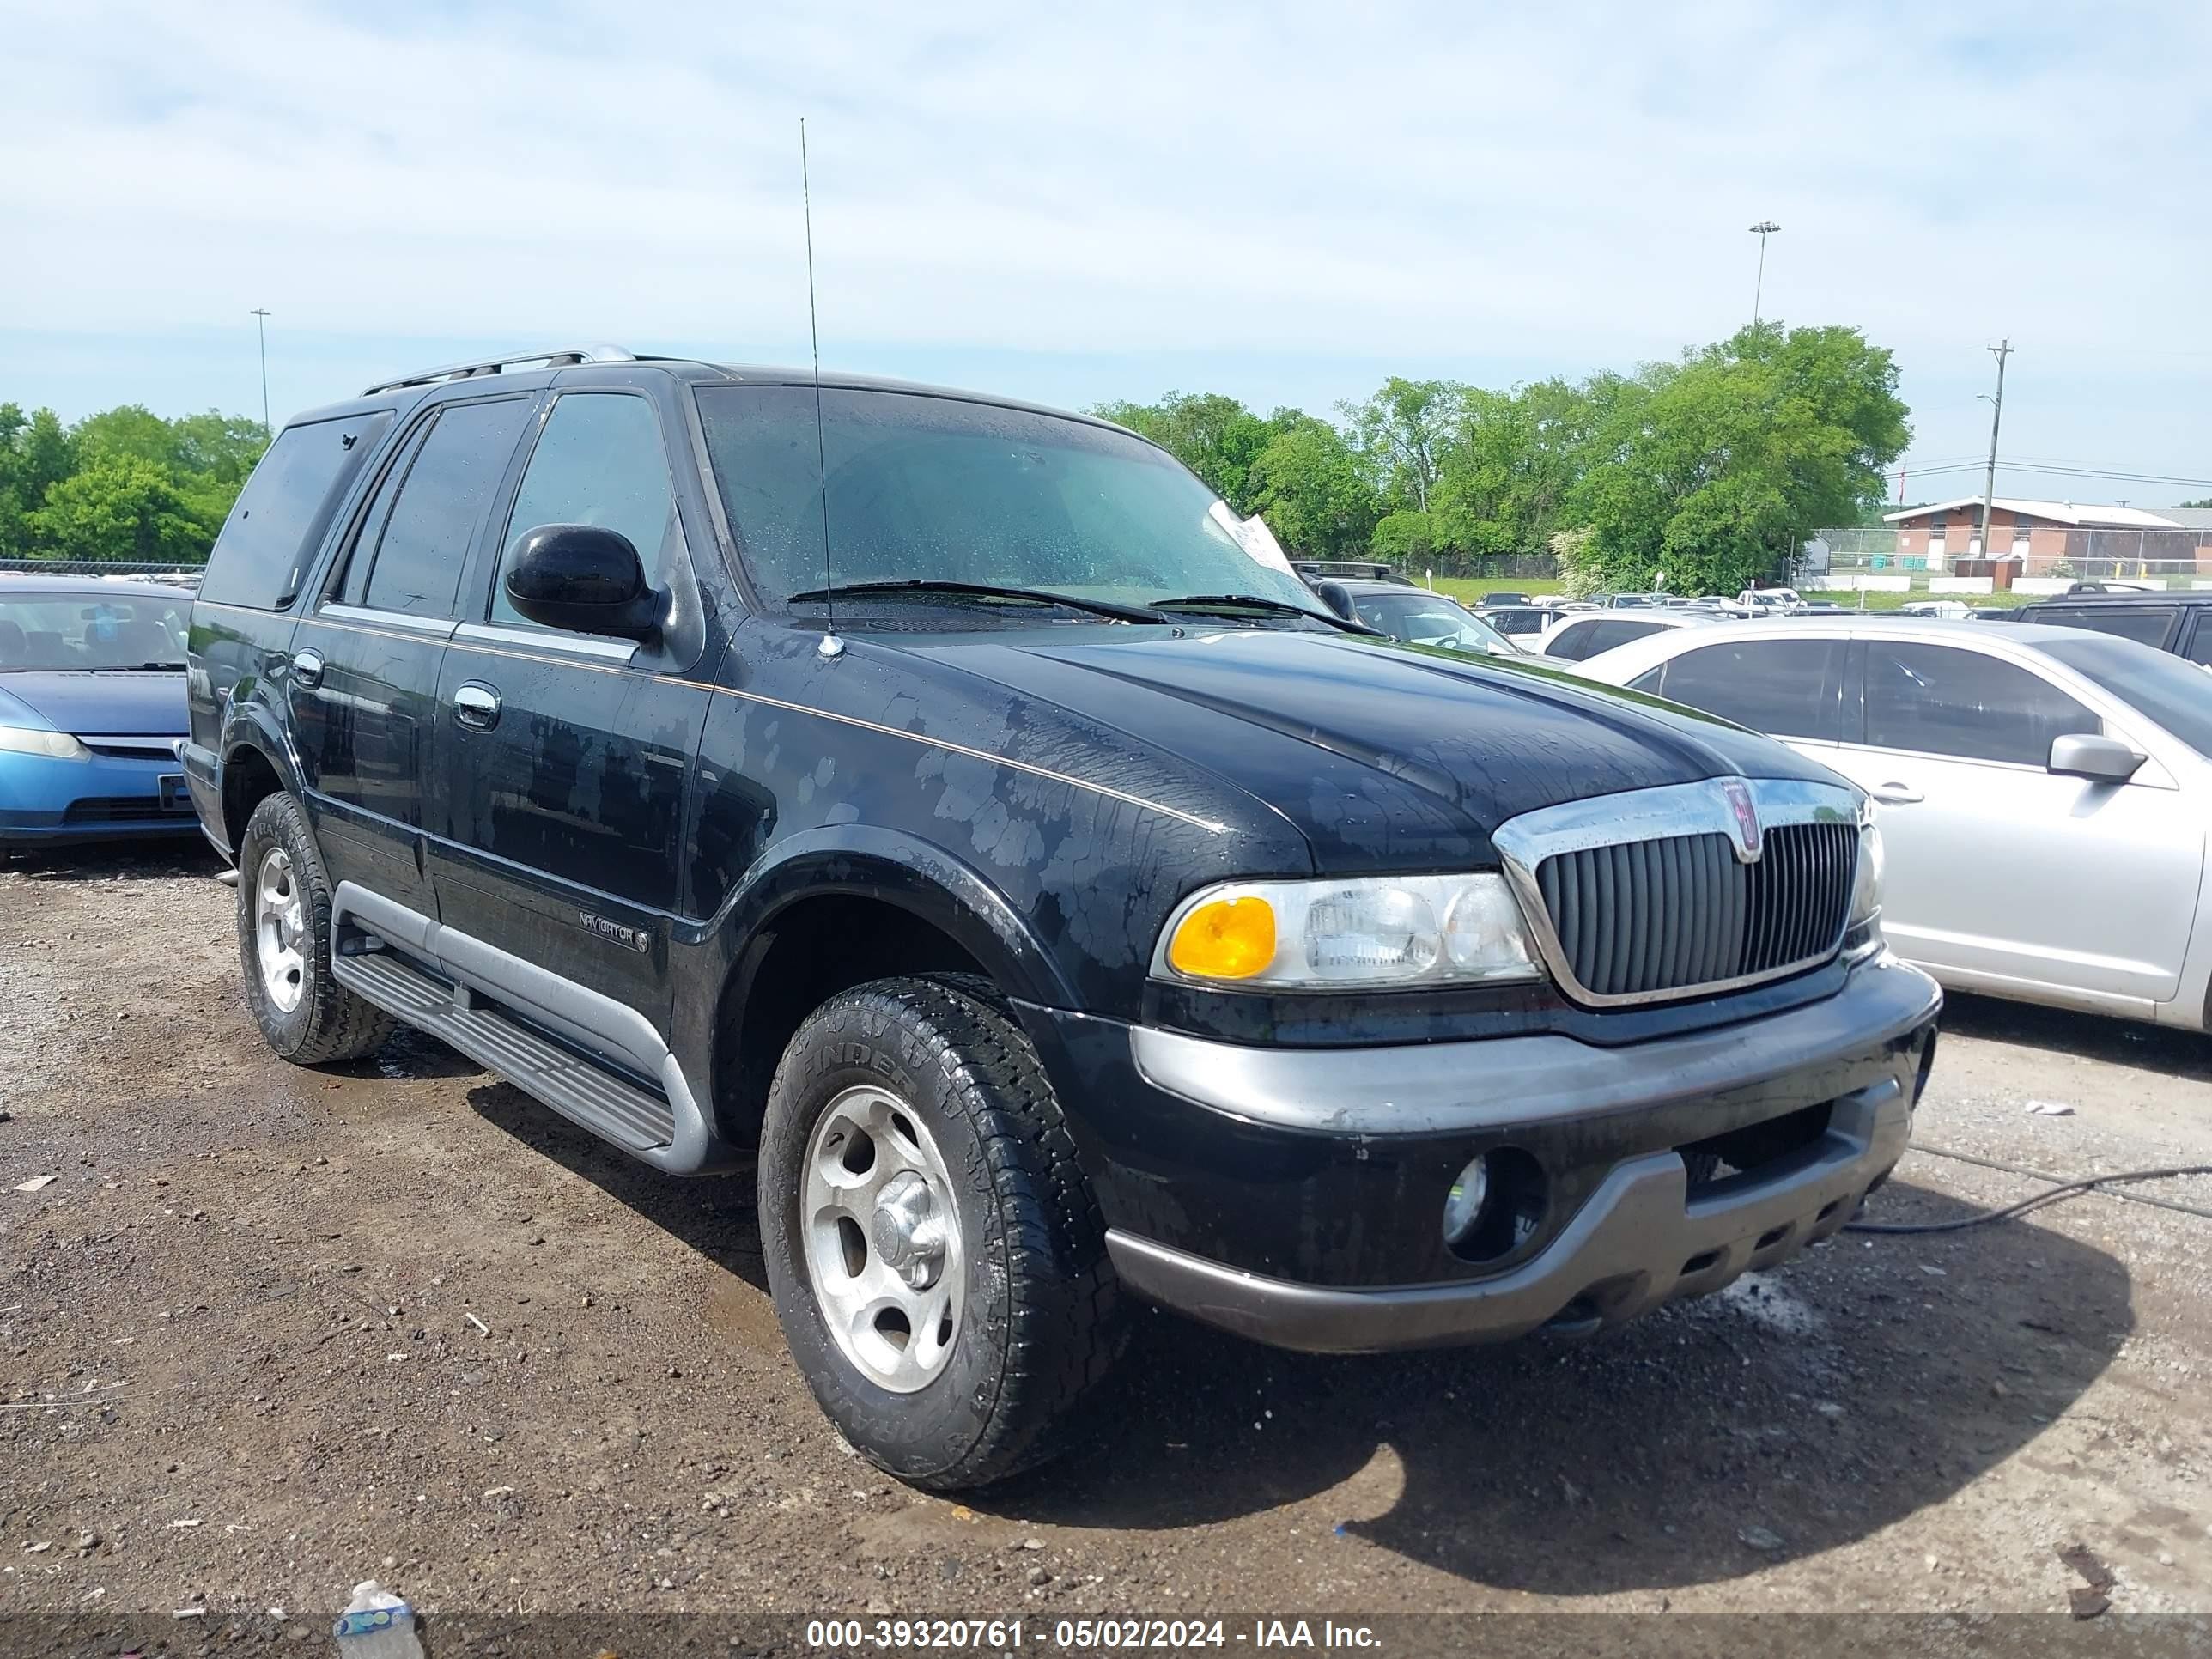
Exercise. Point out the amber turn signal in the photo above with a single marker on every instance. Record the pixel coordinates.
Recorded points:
(1225, 938)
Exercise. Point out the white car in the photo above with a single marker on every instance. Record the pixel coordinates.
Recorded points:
(1589, 632)
(1772, 601)
(2044, 794)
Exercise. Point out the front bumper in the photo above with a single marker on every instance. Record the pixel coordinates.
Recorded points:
(46, 801)
(1296, 1196)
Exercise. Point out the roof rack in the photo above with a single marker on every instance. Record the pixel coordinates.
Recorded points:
(555, 357)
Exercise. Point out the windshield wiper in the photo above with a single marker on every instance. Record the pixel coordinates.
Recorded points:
(923, 589)
(139, 667)
(1256, 602)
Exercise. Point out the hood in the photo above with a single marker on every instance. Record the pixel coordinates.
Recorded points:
(1380, 753)
(133, 704)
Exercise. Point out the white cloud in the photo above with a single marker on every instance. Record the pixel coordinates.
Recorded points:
(1274, 184)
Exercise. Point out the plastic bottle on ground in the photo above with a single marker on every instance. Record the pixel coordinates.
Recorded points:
(376, 1625)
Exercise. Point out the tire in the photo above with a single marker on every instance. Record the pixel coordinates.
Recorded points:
(323, 1021)
(1038, 1319)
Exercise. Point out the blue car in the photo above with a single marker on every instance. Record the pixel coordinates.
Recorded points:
(92, 704)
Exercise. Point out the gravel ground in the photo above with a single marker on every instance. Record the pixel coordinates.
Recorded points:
(271, 1331)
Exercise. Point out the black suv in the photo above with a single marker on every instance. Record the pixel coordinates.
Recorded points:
(1066, 906)
(2177, 623)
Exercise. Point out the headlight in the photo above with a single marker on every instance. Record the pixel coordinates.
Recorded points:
(1383, 932)
(33, 740)
(1865, 926)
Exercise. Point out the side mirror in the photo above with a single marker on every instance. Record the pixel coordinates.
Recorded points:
(2100, 759)
(1338, 600)
(582, 579)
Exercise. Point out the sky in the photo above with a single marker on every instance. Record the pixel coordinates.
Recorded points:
(1285, 202)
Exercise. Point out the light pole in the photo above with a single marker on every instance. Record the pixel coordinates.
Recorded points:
(261, 330)
(1763, 230)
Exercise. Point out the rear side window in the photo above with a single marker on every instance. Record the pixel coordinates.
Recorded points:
(279, 518)
(2143, 623)
(2200, 648)
(1941, 699)
(1790, 688)
(1580, 641)
(1604, 636)
(448, 487)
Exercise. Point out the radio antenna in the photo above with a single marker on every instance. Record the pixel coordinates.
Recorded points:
(831, 646)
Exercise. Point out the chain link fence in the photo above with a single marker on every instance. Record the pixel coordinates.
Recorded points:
(2050, 561)
(184, 576)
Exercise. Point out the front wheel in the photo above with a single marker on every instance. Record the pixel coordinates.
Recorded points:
(937, 1261)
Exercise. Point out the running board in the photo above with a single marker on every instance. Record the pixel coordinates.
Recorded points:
(589, 1096)
(595, 1061)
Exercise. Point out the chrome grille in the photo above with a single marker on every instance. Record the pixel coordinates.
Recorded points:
(1677, 913)
(1643, 896)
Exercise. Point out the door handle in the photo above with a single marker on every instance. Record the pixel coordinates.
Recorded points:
(308, 668)
(477, 707)
(1896, 794)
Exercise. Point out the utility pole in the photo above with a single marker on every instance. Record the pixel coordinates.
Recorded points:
(2002, 350)
(261, 329)
(1763, 230)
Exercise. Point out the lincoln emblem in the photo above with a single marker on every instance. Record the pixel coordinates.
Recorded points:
(1747, 848)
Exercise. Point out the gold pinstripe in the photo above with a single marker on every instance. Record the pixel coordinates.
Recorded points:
(985, 755)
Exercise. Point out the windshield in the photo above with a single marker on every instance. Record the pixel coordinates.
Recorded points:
(2175, 694)
(1431, 619)
(51, 632)
(931, 488)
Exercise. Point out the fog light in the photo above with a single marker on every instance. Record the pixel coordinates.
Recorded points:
(1464, 1204)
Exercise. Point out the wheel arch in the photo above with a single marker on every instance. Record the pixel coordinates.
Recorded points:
(787, 940)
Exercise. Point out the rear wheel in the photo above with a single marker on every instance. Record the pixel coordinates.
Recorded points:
(938, 1264)
(284, 945)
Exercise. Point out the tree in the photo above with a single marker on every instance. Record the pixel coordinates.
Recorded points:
(1310, 487)
(1504, 473)
(35, 454)
(2206, 502)
(1215, 436)
(1404, 536)
(124, 484)
(1713, 469)
(1403, 432)
(121, 508)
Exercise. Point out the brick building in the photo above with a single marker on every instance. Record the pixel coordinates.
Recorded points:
(2039, 534)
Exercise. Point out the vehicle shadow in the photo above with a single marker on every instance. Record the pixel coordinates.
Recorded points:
(2088, 1036)
(111, 861)
(1796, 1412)
(714, 1215)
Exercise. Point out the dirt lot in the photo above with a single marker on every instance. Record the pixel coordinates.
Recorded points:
(242, 1364)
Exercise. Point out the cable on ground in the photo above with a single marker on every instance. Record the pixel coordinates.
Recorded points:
(2061, 1187)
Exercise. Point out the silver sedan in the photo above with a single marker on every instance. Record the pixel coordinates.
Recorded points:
(2044, 794)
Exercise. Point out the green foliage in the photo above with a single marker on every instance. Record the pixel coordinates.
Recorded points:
(2206, 502)
(35, 454)
(1310, 487)
(1580, 575)
(122, 485)
(1404, 536)
(1402, 433)
(1216, 437)
(1711, 470)
(120, 507)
